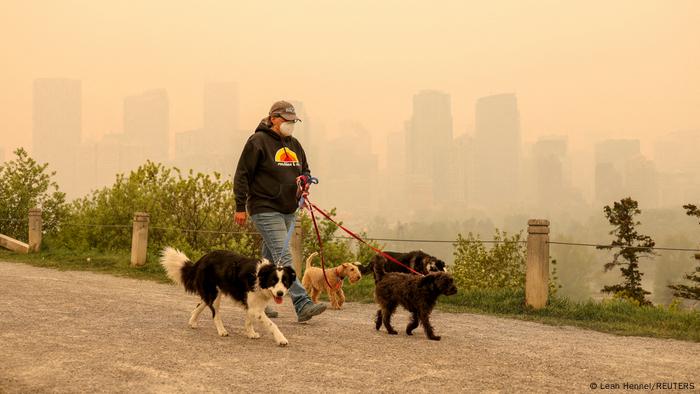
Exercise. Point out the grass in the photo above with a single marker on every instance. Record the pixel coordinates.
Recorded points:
(112, 263)
(613, 316)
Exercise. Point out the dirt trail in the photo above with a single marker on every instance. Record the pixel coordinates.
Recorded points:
(85, 332)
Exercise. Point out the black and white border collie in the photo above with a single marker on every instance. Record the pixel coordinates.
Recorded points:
(252, 282)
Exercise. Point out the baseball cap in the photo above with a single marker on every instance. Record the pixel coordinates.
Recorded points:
(284, 109)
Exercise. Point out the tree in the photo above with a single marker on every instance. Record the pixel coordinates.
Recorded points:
(692, 291)
(632, 246)
(25, 184)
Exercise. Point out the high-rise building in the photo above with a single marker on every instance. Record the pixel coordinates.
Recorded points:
(147, 124)
(642, 181)
(221, 114)
(351, 167)
(497, 153)
(306, 134)
(57, 128)
(678, 152)
(678, 163)
(550, 160)
(428, 145)
(611, 157)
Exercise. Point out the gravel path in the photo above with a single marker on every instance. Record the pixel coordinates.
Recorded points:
(85, 332)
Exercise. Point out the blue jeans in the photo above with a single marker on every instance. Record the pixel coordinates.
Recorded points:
(273, 227)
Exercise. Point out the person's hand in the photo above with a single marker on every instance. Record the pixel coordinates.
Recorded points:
(303, 182)
(240, 218)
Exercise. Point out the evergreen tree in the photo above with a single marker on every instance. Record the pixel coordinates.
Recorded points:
(692, 291)
(631, 247)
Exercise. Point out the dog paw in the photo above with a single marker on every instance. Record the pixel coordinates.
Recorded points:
(392, 332)
(193, 325)
(435, 337)
(223, 333)
(253, 335)
(282, 342)
(409, 332)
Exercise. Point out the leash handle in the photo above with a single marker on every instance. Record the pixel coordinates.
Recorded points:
(304, 182)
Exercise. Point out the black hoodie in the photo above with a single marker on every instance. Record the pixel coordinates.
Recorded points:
(267, 170)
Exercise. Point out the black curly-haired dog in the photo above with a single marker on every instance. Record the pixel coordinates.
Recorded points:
(418, 294)
(417, 260)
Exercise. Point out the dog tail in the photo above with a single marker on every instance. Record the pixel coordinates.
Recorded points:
(310, 259)
(178, 267)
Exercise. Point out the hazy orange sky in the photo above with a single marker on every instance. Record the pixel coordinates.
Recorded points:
(582, 68)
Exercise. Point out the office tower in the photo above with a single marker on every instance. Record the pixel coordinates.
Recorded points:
(351, 169)
(147, 125)
(221, 113)
(309, 136)
(551, 166)
(428, 145)
(642, 181)
(678, 162)
(497, 154)
(611, 157)
(57, 128)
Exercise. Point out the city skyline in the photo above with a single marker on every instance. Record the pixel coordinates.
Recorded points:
(491, 170)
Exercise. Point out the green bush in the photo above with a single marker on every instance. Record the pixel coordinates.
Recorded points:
(25, 184)
(192, 212)
(500, 267)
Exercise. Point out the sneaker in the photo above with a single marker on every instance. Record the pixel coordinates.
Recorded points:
(310, 310)
(271, 313)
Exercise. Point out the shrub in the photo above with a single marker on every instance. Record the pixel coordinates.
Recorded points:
(193, 212)
(500, 267)
(25, 184)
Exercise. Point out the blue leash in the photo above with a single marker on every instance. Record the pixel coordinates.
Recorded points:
(300, 205)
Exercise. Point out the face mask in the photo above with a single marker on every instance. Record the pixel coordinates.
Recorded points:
(287, 128)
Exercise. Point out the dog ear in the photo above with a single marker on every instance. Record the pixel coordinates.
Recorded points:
(428, 281)
(290, 277)
(265, 276)
(440, 265)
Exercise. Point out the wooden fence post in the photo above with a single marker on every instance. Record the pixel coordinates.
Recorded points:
(35, 225)
(537, 274)
(295, 247)
(13, 244)
(139, 239)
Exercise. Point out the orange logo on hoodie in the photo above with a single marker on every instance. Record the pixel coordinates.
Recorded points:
(286, 157)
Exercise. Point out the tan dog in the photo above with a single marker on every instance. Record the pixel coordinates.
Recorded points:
(314, 283)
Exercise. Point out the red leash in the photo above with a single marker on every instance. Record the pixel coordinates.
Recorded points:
(311, 205)
(320, 245)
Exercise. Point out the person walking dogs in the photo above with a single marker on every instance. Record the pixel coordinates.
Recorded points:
(265, 185)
